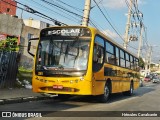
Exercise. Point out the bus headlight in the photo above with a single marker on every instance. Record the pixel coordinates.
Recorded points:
(81, 78)
(71, 81)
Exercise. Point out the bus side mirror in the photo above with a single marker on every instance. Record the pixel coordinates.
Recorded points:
(29, 46)
(99, 54)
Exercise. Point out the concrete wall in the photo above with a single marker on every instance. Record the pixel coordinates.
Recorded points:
(10, 25)
(15, 27)
(26, 59)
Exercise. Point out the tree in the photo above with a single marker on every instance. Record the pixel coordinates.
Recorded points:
(10, 44)
(141, 63)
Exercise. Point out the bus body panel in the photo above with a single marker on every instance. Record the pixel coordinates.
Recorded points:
(72, 85)
(119, 83)
(92, 83)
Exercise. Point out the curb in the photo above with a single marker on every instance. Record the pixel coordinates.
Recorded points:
(23, 99)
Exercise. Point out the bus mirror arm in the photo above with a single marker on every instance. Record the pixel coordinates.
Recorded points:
(29, 46)
(99, 54)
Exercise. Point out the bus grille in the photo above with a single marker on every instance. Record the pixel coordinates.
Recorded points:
(65, 89)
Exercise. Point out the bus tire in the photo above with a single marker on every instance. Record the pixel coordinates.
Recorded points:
(104, 97)
(130, 92)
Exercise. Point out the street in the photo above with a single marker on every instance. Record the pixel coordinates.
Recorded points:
(144, 99)
(79, 47)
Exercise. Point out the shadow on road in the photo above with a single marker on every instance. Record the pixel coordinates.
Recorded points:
(55, 104)
(113, 97)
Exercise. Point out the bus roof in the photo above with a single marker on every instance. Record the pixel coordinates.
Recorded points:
(111, 40)
(96, 31)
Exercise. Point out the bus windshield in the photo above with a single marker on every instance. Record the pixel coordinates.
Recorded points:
(64, 54)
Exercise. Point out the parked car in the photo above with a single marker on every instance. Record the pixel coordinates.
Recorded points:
(155, 79)
(147, 79)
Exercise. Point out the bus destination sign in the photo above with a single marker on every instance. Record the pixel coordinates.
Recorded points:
(65, 32)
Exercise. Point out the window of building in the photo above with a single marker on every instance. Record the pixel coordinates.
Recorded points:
(8, 9)
(30, 36)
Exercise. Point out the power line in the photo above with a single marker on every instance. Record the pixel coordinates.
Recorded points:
(75, 8)
(71, 18)
(52, 4)
(108, 20)
(137, 11)
(100, 1)
(31, 10)
(110, 23)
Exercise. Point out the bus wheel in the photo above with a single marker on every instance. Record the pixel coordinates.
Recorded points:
(130, 92)
(104, 97)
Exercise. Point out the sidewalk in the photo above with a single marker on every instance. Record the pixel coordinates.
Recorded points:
(16, 95)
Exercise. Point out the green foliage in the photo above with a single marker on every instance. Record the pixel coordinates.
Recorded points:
(2, 44)
(22, 69)
(141, 63)
(23, 74)
(10, 44)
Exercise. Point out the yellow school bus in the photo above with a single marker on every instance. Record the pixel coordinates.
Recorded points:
(77, 60)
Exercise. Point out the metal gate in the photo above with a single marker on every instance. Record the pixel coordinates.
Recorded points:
(8, 68)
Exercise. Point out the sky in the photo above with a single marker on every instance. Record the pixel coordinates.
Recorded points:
(114, 10)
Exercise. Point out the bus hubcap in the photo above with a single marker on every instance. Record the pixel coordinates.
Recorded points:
(106, 91)
(131, 89)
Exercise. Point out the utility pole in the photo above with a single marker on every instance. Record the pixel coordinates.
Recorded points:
(150, 56)
(140, 40)
(87, 8)
(21, 14)
(128, 25)
(148, 60)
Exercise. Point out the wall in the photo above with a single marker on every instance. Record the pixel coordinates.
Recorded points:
(13, 26)
(10, 25)
(36, 23)
(26, 59)
(7, 8)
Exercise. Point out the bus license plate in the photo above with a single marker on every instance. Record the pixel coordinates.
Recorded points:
(57, 87)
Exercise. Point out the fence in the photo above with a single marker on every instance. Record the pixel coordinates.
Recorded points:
(8, 68)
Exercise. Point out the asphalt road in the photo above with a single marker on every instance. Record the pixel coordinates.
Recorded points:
(145, 98)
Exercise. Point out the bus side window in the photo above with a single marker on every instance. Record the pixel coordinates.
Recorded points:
(95, 58)
(98, 54)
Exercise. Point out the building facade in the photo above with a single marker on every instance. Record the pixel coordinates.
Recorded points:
(8, 7)
(36, 23)
(31, 29)
(23, 32)
(26, 60)
(8, 28)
